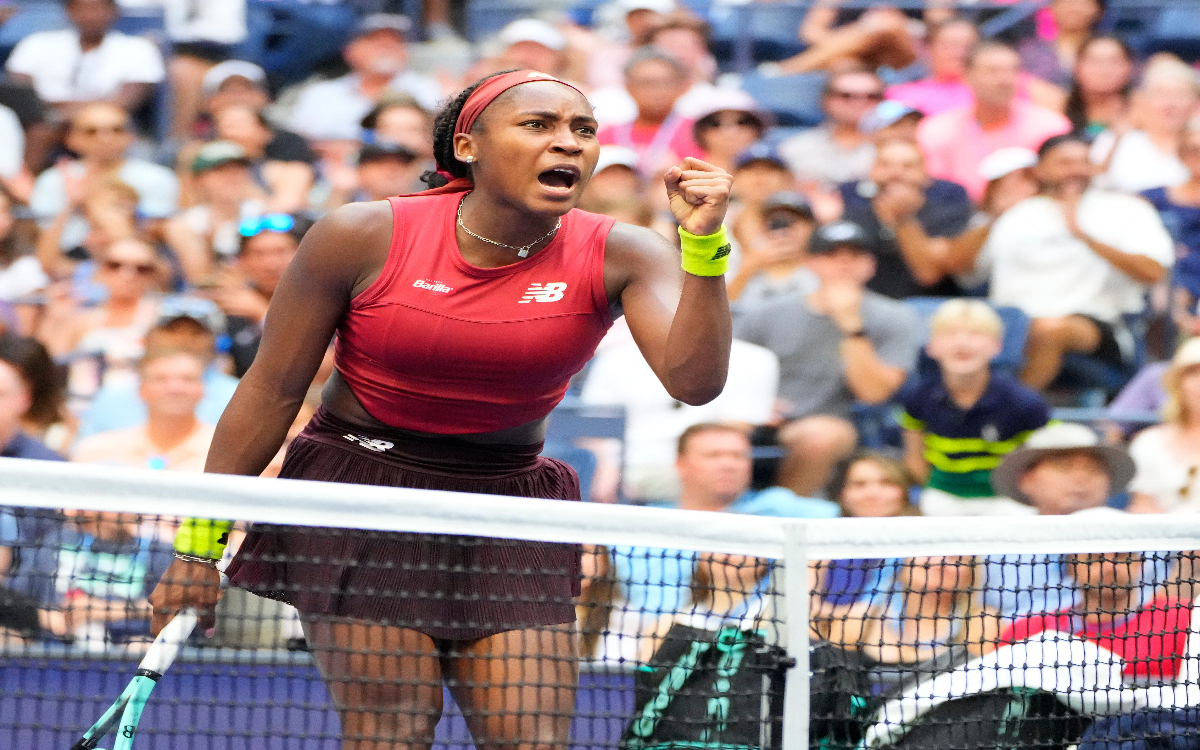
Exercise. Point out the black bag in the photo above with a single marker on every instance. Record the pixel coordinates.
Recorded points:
(716, 689)
(1006, 718)
(839, 696)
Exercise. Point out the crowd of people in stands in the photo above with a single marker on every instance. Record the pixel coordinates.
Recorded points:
(976, 230)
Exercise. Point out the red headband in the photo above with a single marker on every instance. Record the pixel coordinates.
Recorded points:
(493, 87)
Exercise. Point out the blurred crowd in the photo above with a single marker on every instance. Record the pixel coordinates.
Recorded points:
(965, 232)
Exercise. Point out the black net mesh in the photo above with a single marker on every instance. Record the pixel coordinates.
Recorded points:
(335, 638)
(1083, 651)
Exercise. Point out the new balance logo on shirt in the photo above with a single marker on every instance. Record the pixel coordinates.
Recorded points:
(433, 286)
(551, 292)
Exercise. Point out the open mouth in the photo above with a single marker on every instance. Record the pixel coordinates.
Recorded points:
(560, 178)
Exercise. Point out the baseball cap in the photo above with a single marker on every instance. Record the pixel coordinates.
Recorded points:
(885, 114)
(1005, 161)
(838, 233)
(788, 200)
(222, 72)
(382, 22)
(760, 151)
(532, 30)
(385, 150)
(614, 156)
(715, 100)
(203, 311)
(218, 153)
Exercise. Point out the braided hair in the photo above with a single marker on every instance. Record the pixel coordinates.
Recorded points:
(443, 138)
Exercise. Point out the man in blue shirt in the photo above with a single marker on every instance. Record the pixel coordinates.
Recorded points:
(183, 323)
(714, 464)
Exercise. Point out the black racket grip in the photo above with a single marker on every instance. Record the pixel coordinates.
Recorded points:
(84, 744)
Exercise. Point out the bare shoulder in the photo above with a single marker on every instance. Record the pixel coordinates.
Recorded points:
(349, 243)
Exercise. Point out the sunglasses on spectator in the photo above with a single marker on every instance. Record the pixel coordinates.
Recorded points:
(871, 96)
(738, 121)
(91, 130)
(141, 269)
(268, 223)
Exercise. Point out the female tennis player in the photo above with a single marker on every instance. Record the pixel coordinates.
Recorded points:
(460, 315)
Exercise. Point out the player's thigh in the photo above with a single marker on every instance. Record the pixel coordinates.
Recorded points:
(517, 689)
(370, 666)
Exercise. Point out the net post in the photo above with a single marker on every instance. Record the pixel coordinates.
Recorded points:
(796, 594)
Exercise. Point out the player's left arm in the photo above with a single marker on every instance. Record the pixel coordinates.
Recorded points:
(680, 321)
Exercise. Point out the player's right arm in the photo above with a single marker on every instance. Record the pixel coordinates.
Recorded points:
(339, 257)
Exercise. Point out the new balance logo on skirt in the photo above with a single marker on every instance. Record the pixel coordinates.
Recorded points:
(433, 286)
(551, 292)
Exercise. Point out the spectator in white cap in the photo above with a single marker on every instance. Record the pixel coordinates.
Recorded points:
(615, 177)
(1010, 180)
(378, 59)
(1168, 455)
(534, 44)
(727, 122)
(202, 35)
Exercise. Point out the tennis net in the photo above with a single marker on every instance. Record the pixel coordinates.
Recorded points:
(631, 628)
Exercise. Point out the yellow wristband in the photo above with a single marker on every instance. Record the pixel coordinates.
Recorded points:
(202, 537)
(707, 255)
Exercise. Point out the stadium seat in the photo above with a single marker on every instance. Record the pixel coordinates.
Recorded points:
(1093, 381)
(794, 100)
(486, 17)
(28, 20)
(756, 32)
(1177, 30)
(288, 38)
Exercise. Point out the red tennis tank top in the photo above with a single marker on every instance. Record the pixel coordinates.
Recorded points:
(438, 345)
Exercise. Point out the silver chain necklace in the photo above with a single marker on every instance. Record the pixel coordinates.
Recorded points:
(522, 251)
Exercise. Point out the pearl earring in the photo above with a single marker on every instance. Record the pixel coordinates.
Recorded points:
(469, 159)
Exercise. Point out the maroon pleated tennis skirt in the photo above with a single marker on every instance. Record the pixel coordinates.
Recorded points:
(448, 587)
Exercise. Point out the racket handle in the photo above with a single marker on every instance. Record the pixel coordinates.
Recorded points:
(166, 646)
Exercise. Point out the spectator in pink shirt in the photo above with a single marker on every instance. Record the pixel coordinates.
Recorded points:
(950, 44)
(956, 141)
(659, 135)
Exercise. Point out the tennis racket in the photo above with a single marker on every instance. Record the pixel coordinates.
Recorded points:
(125, 712)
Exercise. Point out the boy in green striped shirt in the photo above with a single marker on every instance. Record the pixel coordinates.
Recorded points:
(960, 423)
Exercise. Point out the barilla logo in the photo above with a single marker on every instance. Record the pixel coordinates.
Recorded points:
(433, 286)
(551, 292)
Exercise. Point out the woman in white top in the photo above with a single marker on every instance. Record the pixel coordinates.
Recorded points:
(1147, 157)
(1168, 456)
